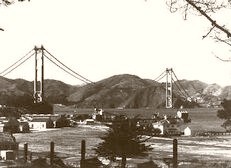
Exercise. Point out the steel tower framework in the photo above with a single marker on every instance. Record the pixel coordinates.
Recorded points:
(39, 75)
(169, 88)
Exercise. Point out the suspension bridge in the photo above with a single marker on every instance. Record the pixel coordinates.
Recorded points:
(41, 53)
(172, 80)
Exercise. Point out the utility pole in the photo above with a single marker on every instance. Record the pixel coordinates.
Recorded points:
(169, 88)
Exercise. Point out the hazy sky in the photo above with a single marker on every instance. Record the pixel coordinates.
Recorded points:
(101, 38)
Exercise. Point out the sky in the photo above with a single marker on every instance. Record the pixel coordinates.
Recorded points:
(99, 39)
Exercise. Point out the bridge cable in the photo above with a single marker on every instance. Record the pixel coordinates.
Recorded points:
(89, 81)
(18, 65)
(161, 77)
(65, 70)
(157, 79)
(181, 85)
(17, 62)
(179, 89)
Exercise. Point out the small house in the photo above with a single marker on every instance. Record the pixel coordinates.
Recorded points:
(8, 147)
(167, 127)
(187, 131)
(183, 114)
(38, 124)
(159, 125)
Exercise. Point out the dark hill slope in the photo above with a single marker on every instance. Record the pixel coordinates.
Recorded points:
(124, 90)
(20, 92)
(119, 91)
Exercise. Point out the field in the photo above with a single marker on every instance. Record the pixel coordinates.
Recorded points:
(203, 119)
(192, 151)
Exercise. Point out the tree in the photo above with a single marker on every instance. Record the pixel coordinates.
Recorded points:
(62, 122)
(7, 2)
(12, 126)
(225, 113)
(207, 9)
(123, 139)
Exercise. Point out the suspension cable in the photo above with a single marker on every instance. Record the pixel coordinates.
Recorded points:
(17, 62)
(181, 85)
(18, 65)
(157, 79)
(179, 89)
(89, 81)
(65, 70)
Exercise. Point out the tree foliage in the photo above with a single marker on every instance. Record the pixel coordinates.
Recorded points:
(123, 139)
(9, 2)
(62, 122)
(225, 113)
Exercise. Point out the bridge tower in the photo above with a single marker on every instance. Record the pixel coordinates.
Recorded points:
(169, 88)
(39, 75)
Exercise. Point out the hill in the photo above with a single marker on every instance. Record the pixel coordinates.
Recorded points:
(119, 91)
(123, 90)
(19, 92)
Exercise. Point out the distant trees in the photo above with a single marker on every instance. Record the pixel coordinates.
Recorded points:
(62, 122)
(124, 139)
(185, 103)
(40, 108)
(12, 126)
(225, 113)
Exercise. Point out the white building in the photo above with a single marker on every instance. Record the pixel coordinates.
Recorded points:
(8, 147)
(38, 124)
(187, 131)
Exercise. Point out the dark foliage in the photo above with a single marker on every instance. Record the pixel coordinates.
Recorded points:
(62, 122)
(25, 127)
(123, 139)
(50, 123)
(15, 100)
(40, 108)
(81, 117)
(185, 103)
(12, 126)
(9, 112)
(43, 163)
(225, 113)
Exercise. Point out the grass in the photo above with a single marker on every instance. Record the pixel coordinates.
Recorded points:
(193, 151)
(203, 119)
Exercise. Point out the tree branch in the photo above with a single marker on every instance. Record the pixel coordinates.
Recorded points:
(213, 22)
(224, 41)
(224, 60)
(208, 32)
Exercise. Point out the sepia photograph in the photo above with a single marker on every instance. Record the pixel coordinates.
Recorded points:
(115, 84)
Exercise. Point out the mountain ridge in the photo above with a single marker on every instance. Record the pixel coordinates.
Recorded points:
(123, 90)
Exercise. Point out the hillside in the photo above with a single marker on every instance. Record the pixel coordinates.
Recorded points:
(20, 92)
(119, 91)
(124, 90)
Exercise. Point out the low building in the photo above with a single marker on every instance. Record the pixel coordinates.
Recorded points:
(8, 147)
(187, 131)
(167, 127)
(183, 114)
(87, 122)
(38, 124)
